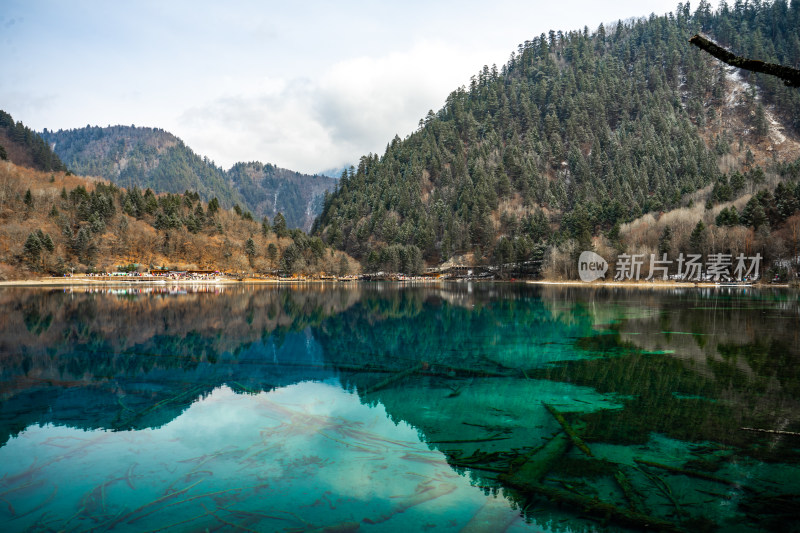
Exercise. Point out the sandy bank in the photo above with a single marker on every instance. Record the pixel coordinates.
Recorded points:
(53, 282)
(649, 284)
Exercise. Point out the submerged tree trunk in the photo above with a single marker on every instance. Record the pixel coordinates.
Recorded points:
(595, 507)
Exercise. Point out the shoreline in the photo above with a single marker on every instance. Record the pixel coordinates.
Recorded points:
(73, 282)
(88, 281)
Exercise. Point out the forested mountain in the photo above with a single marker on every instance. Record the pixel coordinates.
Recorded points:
(578, 133)
(142, 157)
(21, 145)
(153, 158)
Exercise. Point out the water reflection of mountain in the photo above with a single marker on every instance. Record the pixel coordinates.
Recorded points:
(132, 359)
(94, 360)
(482, 327)
(56, 343)
(474, 381)
(708, 361)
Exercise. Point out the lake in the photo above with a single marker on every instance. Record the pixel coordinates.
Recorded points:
(390, 407)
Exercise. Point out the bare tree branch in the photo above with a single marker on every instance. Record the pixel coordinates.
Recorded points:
(789, 75)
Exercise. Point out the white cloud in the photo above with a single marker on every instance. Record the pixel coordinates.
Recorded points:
(355, 107)
(365, 97)
(275, 127)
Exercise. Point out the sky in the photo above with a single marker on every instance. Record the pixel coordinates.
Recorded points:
(305, 85)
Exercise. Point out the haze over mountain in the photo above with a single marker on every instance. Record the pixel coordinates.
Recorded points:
(153, 158)
(578, 134)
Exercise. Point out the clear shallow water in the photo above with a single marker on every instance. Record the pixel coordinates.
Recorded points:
(385, 408)
(300, 457)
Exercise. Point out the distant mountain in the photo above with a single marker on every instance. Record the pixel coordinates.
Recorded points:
(156, 159)
(22, 146)
(270, 189)
(143, 157)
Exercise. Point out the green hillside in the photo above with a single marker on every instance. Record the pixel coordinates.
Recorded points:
(580, 131)
(22, 146)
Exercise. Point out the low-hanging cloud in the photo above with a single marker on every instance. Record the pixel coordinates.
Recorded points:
(355, 107)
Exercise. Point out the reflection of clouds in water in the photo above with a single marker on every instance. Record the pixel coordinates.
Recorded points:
(310, 450)
(311, 429)
(364, 450)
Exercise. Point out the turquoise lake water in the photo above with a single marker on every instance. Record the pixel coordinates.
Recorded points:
(385, 407)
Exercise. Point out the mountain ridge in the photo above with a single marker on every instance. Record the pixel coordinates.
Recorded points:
(154, 158)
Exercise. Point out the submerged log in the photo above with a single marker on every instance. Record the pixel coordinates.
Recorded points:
(138, 415)
(692, 473)
(469, 372)
(431, 369)
(773, 431)
(666, 491)
(471, 466)
(424, 494)
(495, 516)
(569, 430)
(595, 507)
(466, 441)
(397, 377)
(540, 461)
(634, 501)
